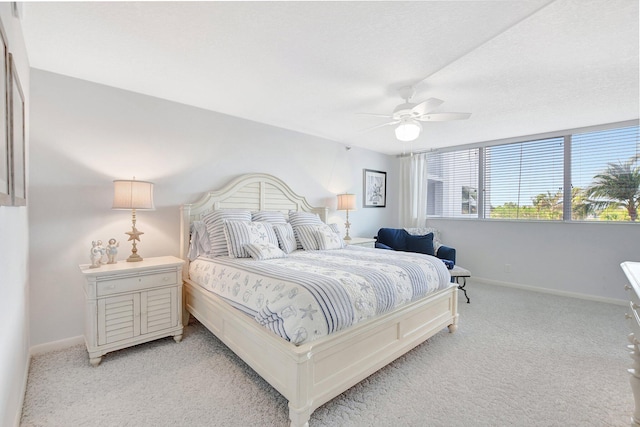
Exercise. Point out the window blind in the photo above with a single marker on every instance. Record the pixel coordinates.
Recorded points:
(597, 168)
(605, 175)
(453, 183)
(525, 180)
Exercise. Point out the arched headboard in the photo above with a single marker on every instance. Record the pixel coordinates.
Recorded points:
(255, 192)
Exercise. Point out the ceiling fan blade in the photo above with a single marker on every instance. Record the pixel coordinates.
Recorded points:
(443, 117)
(379, 126)
(374, 115)
(425, 106)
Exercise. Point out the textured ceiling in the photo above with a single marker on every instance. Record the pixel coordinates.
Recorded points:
(520, 67)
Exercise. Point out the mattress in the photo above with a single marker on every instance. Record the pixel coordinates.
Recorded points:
(310, 294)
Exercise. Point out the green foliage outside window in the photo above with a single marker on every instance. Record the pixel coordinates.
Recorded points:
(614, 195)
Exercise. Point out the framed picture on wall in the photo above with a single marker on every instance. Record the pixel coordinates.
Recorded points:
(17, 137)
(5, 155)
(375, 189)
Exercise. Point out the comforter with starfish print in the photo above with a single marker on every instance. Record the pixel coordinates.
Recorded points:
(310, 294)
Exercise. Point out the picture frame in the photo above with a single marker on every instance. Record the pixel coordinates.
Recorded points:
(17, 137)
(6, 198)
(375, 189)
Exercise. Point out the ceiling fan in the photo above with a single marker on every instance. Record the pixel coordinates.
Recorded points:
(409, 115)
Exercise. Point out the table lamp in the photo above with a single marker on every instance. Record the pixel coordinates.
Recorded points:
(347, 202)
(132, 194)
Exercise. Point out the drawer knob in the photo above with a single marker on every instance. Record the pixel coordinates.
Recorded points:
(111, 287)
(635, 306)
(627, 316)
(627, 287)
(165, 278)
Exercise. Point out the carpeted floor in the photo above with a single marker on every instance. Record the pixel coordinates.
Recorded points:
(518, 359)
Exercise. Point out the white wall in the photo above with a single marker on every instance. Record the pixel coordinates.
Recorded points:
(573, 258)
(14, 278)
(84, 135)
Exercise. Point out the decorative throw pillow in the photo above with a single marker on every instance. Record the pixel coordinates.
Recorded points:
(328, 239)
(420, 244)
(286, 238)
(239, 234)
(306, 235)
(274, 217)
(214, 222)
(199, 243)
(299, 219)
(421, 231)
(261, 251)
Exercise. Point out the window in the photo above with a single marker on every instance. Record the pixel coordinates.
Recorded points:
(449, 174)
(526, 180)
(605, 175)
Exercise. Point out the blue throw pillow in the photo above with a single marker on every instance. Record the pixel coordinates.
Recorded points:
(420, 244)
(448, 263)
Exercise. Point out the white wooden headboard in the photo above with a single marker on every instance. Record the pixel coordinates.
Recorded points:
(255, 192)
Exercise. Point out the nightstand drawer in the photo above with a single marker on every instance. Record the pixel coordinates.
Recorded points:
(128, 284)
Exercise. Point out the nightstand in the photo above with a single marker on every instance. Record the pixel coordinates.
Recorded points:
(130, 303)
(362, 241)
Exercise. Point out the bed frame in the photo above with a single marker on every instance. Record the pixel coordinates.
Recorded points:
(311, 374)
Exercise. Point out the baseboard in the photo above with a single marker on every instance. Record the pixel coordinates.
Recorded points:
(552, 291)
(56, 345)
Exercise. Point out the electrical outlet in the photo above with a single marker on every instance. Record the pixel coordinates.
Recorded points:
(507, 268)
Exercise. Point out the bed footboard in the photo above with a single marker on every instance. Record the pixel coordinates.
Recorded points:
(314, 373)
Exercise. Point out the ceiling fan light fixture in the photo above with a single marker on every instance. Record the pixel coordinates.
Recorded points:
(408, 130)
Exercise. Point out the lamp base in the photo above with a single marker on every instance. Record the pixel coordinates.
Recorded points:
(347, 237)
(134, 235)
(134, 258)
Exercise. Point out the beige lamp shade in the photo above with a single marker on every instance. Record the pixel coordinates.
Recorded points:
(132, 194)
(346, 202)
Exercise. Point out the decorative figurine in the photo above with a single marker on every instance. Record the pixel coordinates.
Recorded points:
(103, 252)
(112, 251)
(97, 251)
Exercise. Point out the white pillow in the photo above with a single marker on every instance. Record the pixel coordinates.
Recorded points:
(260, 251)
(239, 234)
(214, 222)
(286, 238)
(328, 239)
(199, 244)
(274, 217)
(301, 219)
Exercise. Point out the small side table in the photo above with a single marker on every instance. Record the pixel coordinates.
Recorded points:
(365, 242)
(458, 273)
(130, 303)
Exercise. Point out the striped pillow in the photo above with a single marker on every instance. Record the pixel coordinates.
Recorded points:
(307, 234)
(260, 251)
(274, 217)
(300, 219)
(214, 222)
(286, 238)
(335, 228)
(239, 234)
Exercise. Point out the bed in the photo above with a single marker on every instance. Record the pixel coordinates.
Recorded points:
(307, 372)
